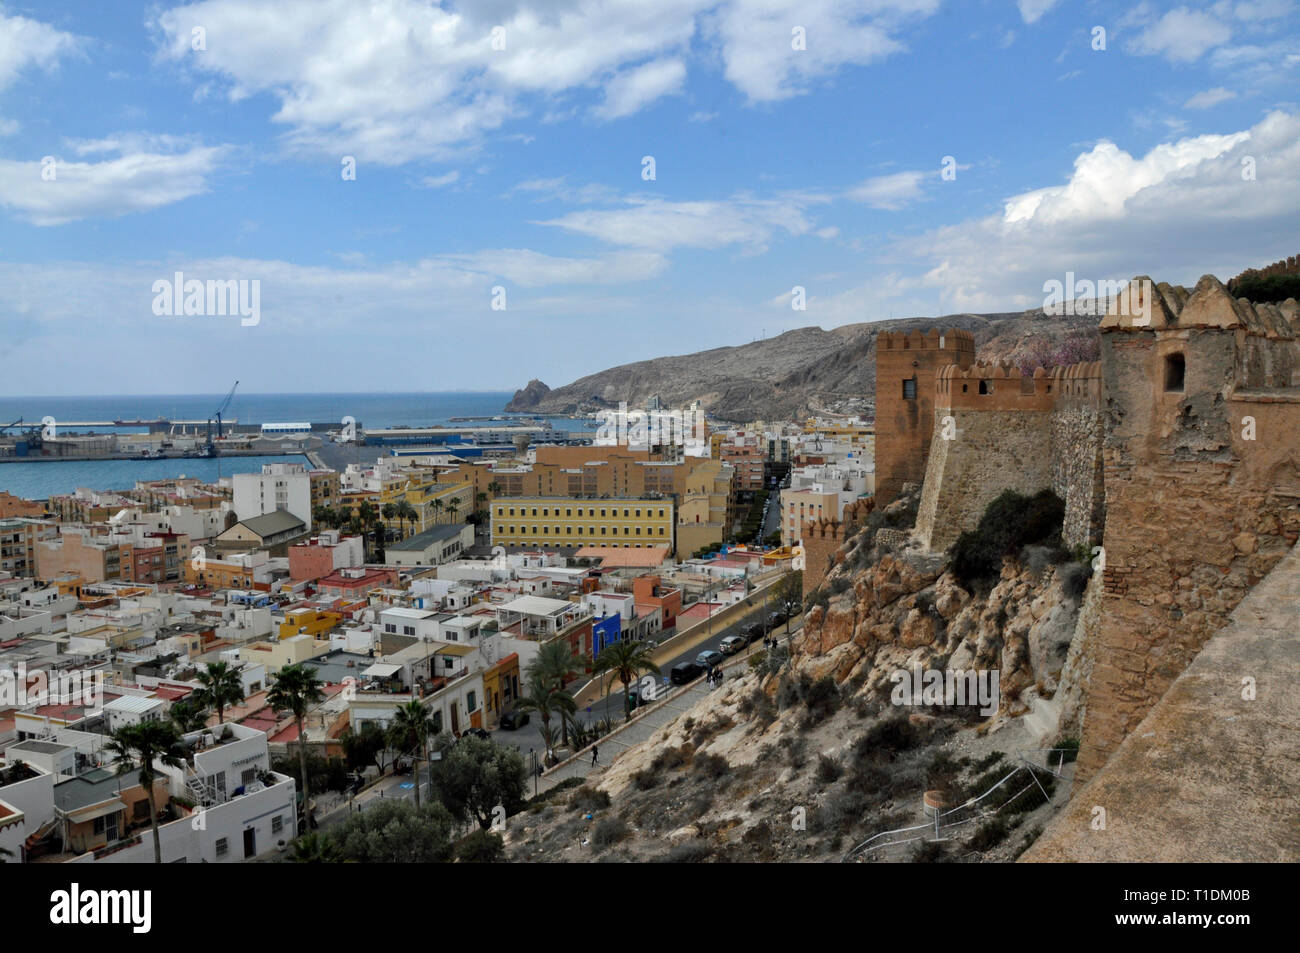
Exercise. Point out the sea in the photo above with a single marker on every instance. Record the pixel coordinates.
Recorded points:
(37, 481)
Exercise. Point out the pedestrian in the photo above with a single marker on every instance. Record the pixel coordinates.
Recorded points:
(595, 753)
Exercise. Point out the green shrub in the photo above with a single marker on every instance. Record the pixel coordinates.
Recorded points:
(609, 831)
(689, 852)
(710, 766)
(828, 769)
(1070, 748)
(989, 834)
(1011, 522)
(1074, 579)
(481, 847)
(588, 799)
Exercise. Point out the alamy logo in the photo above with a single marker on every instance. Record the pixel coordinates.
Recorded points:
(19, 688)
(192, 297)
(641, 430)
(1087, 297)
(75, 906)
(950, 687)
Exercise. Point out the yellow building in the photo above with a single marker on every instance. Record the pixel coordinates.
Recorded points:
(708, 507)
(311, 622)
(549, 521)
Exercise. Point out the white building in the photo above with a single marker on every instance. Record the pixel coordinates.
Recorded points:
(280, 486)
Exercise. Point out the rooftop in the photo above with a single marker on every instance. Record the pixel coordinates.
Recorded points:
(426, 539)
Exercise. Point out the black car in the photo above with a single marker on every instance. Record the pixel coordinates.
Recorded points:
(753, 631)
(774, 619)
(514, 719)
(684, 672)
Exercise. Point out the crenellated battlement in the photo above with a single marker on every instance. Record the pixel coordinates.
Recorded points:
(1002, 387)
(1146, 306)
(934, 340)
(1287, 266)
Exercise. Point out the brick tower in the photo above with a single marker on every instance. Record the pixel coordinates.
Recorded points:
(907, 364)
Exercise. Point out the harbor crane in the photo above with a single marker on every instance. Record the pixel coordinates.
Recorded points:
(225, 404)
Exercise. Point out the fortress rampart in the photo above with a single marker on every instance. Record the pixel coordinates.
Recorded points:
(822, 538)
(996, 430)
(1202, 474)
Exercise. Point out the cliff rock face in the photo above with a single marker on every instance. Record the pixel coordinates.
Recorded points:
(788, 375)
(529, 397)
(904, 610)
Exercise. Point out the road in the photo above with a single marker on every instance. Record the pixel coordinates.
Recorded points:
(529, 738)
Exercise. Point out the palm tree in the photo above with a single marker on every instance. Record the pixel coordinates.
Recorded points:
(437, 505)
(188, 715)
(390, 513)
(410, 729)
(313, 848)
(220, 686)
(626, 660)
(296, 689)
(452, 506)
(557, 664)
(406, 511)
(141, 745)
(326, 516)
(494, 488)
(546, 699)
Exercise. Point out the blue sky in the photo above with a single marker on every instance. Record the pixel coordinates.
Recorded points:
(520, 167)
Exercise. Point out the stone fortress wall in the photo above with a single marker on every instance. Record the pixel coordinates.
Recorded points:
(996, 430)
(1178, 451)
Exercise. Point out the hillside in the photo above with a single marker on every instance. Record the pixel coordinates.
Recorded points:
(788, 375)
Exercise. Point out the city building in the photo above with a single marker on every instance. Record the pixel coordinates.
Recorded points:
(563, 521)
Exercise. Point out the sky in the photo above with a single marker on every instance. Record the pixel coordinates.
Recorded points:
(467, 195)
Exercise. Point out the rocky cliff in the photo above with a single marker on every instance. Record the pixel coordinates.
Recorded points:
(804, 754)
(787, 375)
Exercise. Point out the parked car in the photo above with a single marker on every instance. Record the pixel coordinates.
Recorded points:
(733, 644)
(514, 719)
(753, 631)
(709, 658)
(774, 619)
(684, 672)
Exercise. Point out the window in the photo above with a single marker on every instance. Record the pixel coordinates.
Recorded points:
(408, 630)
(984, 387)
(1175, 372)
(277, 824)
(223, 847)
(471, 701)
(909, 389)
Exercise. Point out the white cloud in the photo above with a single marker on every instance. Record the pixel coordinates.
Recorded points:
(1178, 211)
(631, 91)
(438, 181)
(532, 269)
(134, 181)
(755, 38)
(890, 191)
(408, 79)
(25, 43)
(1031, 11)
(1209, 98)
(662, 225)
(1182, 35)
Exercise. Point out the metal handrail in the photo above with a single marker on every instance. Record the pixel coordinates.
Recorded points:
(939, 825)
